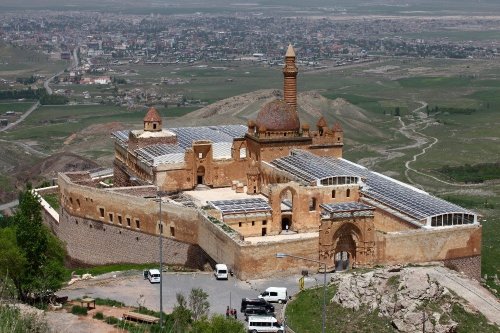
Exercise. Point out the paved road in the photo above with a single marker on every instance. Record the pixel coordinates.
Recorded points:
(24, 115)
(128, 289)
(74, 63)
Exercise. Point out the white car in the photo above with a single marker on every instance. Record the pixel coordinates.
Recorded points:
(221, 272)
(257, 324)
(275, 294)
(154, 276)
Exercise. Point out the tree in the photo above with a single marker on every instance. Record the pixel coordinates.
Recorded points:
(198, 303)
(181, 314)
(218, 324)
(29, 254)
(12, 260)
(397, 112)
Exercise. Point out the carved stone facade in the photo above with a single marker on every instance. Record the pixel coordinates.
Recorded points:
(347, 242)
(333, 218)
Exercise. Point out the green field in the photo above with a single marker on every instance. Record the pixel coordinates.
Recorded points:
(16, 62)
(14, 106)
(272, 7)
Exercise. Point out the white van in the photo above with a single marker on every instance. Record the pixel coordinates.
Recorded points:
(221, 272)
(258, 324)
(275, 294)
(154, 275)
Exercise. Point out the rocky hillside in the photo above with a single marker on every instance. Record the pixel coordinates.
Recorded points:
(357, 123)
(414, 299)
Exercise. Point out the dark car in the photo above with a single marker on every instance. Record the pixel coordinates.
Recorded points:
(256, 310)
(256, 302)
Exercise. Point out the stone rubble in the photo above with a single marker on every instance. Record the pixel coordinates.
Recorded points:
(401, 294)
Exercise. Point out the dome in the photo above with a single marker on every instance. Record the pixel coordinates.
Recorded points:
(278, 116)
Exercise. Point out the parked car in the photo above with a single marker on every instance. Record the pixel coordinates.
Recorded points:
(257, 310)
(245, 302)
(221, 272)
(154, 275)
(257, 324)
(275, 294)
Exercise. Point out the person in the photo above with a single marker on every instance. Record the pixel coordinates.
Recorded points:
(227, 312)
(235, 314)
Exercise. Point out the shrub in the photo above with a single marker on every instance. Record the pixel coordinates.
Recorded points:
(13, 321)
(109, 302)
(99, 316)
(112, 320)
(79, 310)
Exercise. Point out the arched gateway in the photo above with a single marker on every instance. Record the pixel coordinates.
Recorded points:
(347, 237)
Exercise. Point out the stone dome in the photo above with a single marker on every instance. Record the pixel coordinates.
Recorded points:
(278, 116)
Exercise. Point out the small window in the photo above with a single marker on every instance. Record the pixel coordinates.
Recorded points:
(128, 221)
(334, 194)
(264, 222)
(200, 155)
(137, 224)
(101, 210)
(312, 204)
(120, 219)
(71, 200)
(253, 223)
(172, 231)
(348, 193)
(111, 217)
(160, 228)
(78, 202)
(154, 126)
(239, 224)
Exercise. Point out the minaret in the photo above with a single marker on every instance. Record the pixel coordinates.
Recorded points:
(290, 78)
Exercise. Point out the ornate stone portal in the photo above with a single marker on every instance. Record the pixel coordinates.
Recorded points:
(347, 237)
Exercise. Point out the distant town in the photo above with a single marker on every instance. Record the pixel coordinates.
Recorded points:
(108, 38)
(105, 48)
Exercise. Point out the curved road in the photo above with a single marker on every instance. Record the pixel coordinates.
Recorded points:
(422, 140)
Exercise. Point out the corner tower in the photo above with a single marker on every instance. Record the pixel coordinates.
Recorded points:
(290, 72)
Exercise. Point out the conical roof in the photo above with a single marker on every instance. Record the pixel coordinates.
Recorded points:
(337, 127)
(152, 115)
(290, 52)
(321, 122)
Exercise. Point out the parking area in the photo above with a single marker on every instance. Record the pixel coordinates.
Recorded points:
(133, 290)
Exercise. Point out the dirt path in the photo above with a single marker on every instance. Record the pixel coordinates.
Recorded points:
(412, 130)
(62, 321)
(470, 290)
